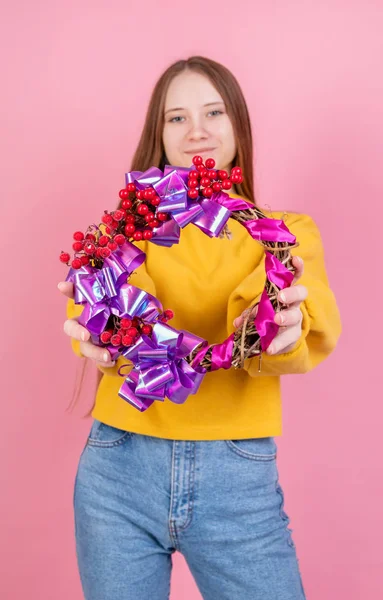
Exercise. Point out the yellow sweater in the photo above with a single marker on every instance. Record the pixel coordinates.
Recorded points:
(207, 283)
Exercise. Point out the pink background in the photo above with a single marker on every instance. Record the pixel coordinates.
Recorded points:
(76, 78)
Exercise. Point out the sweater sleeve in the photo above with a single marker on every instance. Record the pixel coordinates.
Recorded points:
(141, 279)
(321, 323)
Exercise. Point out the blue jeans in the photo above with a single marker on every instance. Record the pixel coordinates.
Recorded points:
(138, 499)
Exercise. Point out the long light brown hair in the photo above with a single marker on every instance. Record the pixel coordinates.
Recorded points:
(150, 150)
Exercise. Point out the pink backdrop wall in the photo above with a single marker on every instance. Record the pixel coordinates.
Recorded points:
(76, 78)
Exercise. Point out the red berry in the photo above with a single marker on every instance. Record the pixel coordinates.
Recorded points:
(135, 322)
(148, 234)
(142, 209)
(131, 187)
(119, 239)
(132, 331)
(192, 183)
(168, 314)
(76, 263)
(197, 160)
(105, 252)
(64, 257)
(105, 337)
(115, 340)
(84, 260)
(89, 248)
(212, 174)
(155, 201)
(226, 184)
(103, 240)
(194, 174)
(202, 171)
(210, 163)
(78, 246)
(127, 340)
(153, 223)
(108, 230)
(126, 204)
(208, 192)
(98, 252)
(78, 236)
(149, 217)
(217, 187)
(130, 219)
(139, 194)
(240, 180)
(125, 323)
(193, 194)
(123, 194)
(107, 219)
(236, 170)
(118, 215)
(112, 246)
(91, 237)
(137, 236)
(223, 174)
(149, 193)
(146, 329)
(162, 216)
(129, 229)
(235, 178)
(205, 181)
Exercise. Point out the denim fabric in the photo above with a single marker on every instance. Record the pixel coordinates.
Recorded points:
(138, 499)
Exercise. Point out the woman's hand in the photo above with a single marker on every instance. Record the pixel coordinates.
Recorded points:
(78, 332)
(289, 319)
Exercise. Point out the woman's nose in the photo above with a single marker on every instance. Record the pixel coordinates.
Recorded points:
(197, 131)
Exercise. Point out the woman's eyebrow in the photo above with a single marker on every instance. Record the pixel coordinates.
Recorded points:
(180, 107)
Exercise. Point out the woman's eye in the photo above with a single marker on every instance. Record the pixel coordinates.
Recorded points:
(175, 120)
(215, 112)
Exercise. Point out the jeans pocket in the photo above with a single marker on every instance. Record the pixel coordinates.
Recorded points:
(262, 449)
(107, 436)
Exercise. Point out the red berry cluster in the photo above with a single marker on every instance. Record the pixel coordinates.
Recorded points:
(134, 220)
(205, 180)
(126, 332)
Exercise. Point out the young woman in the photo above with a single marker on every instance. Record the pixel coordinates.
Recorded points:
(200, 478)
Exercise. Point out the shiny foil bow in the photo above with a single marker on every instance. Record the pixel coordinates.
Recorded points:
(171, 187)
(160, 369)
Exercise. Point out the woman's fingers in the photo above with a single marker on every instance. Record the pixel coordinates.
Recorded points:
(238, 321)
(293, 294)
(288, 317)
(87, 348)
(66, 288)
(76, 331)
(299, 268)
(97, 354)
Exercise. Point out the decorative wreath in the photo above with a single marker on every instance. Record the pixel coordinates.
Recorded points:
(127, 321)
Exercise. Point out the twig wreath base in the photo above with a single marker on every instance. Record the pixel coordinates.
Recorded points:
(156, 206)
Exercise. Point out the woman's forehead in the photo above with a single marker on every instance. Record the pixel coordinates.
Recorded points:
(191, 90)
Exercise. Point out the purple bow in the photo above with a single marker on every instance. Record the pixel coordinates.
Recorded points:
(160, 369)
(105, 291)
(171, 186)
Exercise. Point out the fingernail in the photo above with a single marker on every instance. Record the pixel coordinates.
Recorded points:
(282, 297)
(281, 318)
(106, 357)
(83, 336)
(270, 349)
(299, 260)
(59, 285)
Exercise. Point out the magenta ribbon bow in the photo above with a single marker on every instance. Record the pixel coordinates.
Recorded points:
(160, 369)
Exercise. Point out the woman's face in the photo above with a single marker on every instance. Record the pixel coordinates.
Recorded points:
(196, 122)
